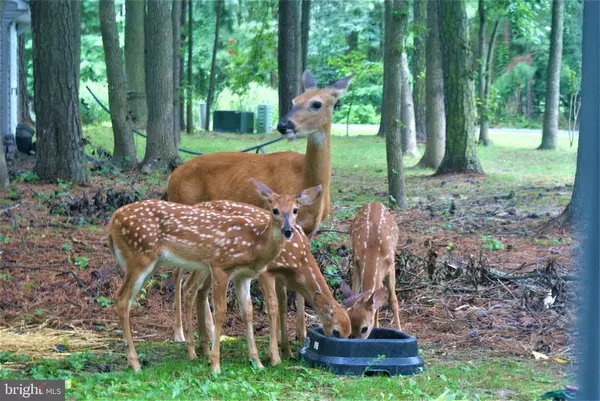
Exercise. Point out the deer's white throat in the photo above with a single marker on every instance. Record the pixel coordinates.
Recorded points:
(317, 138)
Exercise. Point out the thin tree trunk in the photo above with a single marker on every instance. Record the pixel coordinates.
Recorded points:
(305, 31)
(183, 29)
(484, 138)
(211, 79)
(434, 93)
(386, 94)
(396, 16)
(176, 22)
(124, 149)
(551, 111)
(419, 67)
(4, 181)
(484, 134)
(58, 126)
(23, 107)
(161, 153)
(190, 113)
(134, 62)
(287, 54)
(408, 132)
(461, 138)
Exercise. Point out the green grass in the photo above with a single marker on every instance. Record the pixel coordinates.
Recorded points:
(168, 375)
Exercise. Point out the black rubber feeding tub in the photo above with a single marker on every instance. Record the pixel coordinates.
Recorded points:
(386, 351)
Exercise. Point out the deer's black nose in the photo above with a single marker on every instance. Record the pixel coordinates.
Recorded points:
(284, 125)
(287, 232)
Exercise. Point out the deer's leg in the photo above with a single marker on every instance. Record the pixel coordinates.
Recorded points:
(137, 271)
(205, 323)
(219, 293)
(267, 286)
(376, 319)
(282, 298)
(393, 299)
(242, 290)
(356, 275)
(300, 320)
(178, 324)
(190, 290)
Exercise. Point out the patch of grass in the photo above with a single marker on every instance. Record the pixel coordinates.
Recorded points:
(168, 375)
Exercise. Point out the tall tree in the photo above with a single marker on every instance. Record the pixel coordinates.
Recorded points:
(486, 58)
(58, 125)
(386, 94)
(211, 79)
(305, 31)
(23, 107)
(76, 15)
(161, 152)
(396, 17)
(124, 149)
(4, 181)
(419, 66)
(134, 61)
(176, 21)
(287, 54)
(409, 138)
(183, 30)
(190, 34)
(434, 92)
(461, 137)
(550, 128)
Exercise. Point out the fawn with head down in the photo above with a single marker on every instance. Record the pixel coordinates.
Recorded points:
(374, 237)
(294, 268)
(147, 234)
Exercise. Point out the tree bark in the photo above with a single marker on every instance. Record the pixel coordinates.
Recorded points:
(305, 32)
(484, 138)
(484, 134)
(176, 22)
(396, 17)
(461, 139)
(4, 181)
(76, 15)
(189, 105)
(58, 126)
(434, 93)
(23, 107)
(211, 79)
(408, 132)
(386, 94)
(124, 149)
(135, 63)
(419, 67)
(551, 111)
(161, 152)
(183, 30)
(287, 54)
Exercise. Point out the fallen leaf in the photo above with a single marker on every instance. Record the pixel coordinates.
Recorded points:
(560, 360)
(539, 355)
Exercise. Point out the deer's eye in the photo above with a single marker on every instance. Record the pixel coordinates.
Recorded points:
(336, 333)
(275, 211)
(295, 211)
(316, 105)
(364, 329)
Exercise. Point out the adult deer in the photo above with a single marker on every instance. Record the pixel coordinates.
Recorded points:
(374, 238)
(146, 234)
(294, 268)
(224, 176)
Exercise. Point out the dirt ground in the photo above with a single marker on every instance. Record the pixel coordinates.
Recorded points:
(476, 273)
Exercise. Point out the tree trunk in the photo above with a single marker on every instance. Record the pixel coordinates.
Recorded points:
(396, 16)
(434, 93)
(484, 134)
(76, 15)
(189, 111)
(4, 181)
(287, 55)
(124, 149)
(409, 138)
(484, 138)
(461, 138)
(161, 152)
(176, 21)
(135, 63)
(551, 111)
(23, 107)
(211, 79)
(58, 125)
(182, 28)
(419, 67)
(386, 94)
(305, 32)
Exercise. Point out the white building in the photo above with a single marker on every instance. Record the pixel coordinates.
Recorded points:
(16, 19)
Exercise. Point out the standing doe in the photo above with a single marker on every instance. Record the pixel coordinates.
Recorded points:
(147, 234)
(374, 237)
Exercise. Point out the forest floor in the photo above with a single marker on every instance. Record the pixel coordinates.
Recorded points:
(485, 283)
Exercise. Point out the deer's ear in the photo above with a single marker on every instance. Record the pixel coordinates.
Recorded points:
(309, 195)
(308, 80)
(379, 298)
(341, 85)
(264, 191)
(346, 290)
